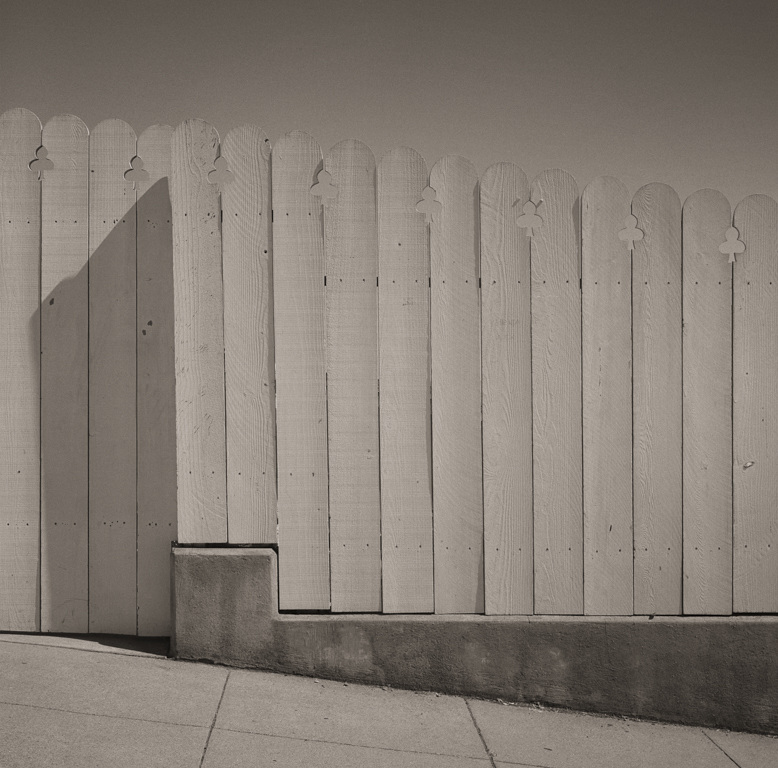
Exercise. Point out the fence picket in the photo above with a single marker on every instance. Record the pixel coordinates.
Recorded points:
(351, 246)
(606, 297)
(405, 411)
(656, 393)
(157, 523)
(248, 339)
(301, 406)
(506, 376)
(707, 406)
(20, 137)
(755, 380)
(457, 485)
(199, 336)
(556, 392)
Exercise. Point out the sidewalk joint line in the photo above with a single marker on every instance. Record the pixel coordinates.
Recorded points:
(215, 715)
(721, 748)
(480, 735)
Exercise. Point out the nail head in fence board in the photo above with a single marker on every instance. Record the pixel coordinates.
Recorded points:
(755, 368)
(456, 390)
(707, 406)
(607, 398)
(112, 383)
(157, 522)
(20, 137)
(64, 312)
(300, 356)
(656, 400)
(405, 411)
(248, 339)
(199, 337)
(506, 392)
(351, 245)
(556, 393)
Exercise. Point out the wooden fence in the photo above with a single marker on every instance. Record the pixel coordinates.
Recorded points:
(433, 393)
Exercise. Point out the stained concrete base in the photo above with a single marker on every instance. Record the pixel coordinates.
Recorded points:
(705, 671)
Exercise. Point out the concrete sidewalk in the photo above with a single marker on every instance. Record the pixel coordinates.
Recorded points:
(119, 702)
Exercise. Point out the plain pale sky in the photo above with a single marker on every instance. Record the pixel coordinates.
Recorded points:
(679, 91)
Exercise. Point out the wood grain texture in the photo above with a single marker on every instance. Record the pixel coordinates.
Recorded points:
(157, 524)
(404, 375)
(506, 373)
(755, 381)
(707, 406)
(300, 355)
(64, 311)
(20, 137)
(556, 395)
(351, 246)
(656, 400)
(606, 328)
(456, 390)
(112, 384)
(199, 336)
(248, 339)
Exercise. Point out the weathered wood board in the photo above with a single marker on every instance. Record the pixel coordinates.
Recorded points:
(351, 246)
(755, 381)
(656, 392)
(707, 406)
(404, 376)
(300, 356)
(64, 311)
(20, 137)
(606, 297)
(556, 393)
(457, 486)
(506, 376)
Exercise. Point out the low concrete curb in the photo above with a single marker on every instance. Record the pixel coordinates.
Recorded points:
(703, 671)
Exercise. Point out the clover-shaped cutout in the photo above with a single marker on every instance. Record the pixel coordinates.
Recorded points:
(136, 172)
(530, 219)
(631, 232)
(428, 205)
(41, 162)
(733, 244)
(221, 174)
(324, 188)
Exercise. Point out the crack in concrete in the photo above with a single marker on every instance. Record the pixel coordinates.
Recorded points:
(480, 735)
(213, 722)
(710, 738)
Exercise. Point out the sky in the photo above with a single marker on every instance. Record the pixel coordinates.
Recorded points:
(679, 91)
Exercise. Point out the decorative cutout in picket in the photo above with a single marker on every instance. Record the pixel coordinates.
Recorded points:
(221, 174)
(732, 244)
(136, 172)
(41, 162)
(324, 187)
(429, 205)
(530, 219)
(631, 232)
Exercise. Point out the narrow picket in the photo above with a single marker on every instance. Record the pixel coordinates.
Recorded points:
(556, 393)
(351, 246)
(301, 405)
(157, 524)
(112, 360)
(64, 309)
(457, 486)
(20, 138)
(404, 375)
(707, 406)
(657, 400)
(606, 327)
(755, 381)
(506, 374)
(199, 336)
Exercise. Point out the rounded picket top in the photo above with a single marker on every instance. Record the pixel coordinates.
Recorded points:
(502, 173)
(756, 220)
(454, 163)
(112, 129)
(608, 187)
(20, 137)
(247, 137)
(401, 157)
(609, 230)
(197, 141)
(711, 197)
(61, 124)
(296, 142)
(659, 192)
(16, 119)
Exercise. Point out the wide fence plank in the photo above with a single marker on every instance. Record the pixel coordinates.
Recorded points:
(301, 405)
(248, 339)
(112, 359)
(157, 524)
(404, 375)
(556, 393)
(506, 374)
(707, 406)
(606, 329)
(351, 245)
(199, 336)
(20, 137)
(457, 486)
(657, 400)
(755, 381)
(64, 310)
